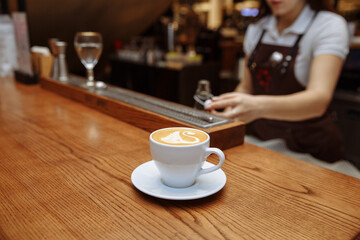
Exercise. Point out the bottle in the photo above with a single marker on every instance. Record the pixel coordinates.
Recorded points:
(8, 50)
(55, 65)
(202, 95)
(63, 74)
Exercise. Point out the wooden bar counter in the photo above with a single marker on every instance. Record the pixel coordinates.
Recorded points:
(65, 173)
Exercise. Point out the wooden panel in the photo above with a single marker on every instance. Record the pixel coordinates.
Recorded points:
(222, 136)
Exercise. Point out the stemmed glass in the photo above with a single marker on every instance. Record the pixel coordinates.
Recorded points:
(89, 46)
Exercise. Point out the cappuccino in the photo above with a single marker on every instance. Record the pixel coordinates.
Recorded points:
(179, 154)
(179, 136)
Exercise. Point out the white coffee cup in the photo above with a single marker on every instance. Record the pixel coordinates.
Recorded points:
(179, 154)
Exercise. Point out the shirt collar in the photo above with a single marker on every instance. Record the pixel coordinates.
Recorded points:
(298, 27)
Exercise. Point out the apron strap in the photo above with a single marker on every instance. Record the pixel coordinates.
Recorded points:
(293, 51)
(252, 65)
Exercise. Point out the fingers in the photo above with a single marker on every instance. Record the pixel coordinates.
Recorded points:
(220, 104)
(230, 113)
(219, 114)
(237, 106)
(229, 95)
(225, 96)
(223, 101)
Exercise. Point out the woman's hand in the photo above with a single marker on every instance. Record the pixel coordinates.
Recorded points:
(237, 106)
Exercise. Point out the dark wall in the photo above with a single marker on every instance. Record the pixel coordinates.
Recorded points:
(115, 19)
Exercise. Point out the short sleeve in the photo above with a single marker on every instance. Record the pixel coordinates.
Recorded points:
(333, 36)
(248, 44)
(252, 36)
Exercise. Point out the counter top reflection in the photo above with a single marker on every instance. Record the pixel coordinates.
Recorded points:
(65, 174)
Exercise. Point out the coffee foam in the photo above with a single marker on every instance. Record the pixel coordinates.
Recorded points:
(179, 136)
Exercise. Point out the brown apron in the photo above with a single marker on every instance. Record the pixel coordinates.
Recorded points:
(318, 136)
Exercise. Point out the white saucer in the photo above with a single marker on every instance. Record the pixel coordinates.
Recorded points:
(146, 178)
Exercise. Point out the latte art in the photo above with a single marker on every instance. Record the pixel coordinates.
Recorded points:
(175, 138)
(179, 136)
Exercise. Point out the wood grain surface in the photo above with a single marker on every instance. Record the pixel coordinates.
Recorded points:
(65, 174)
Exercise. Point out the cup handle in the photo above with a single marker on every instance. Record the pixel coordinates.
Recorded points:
(221, 156)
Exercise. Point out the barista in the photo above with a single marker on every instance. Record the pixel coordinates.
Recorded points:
(294, 54)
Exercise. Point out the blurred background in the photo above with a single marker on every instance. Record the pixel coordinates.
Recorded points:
(207, 30)
(164, 47)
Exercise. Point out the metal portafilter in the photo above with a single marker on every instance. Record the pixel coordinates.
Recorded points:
(202, 94)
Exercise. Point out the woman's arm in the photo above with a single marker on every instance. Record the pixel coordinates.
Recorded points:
(310, 103)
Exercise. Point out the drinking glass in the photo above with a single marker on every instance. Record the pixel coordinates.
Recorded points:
(89, 46)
